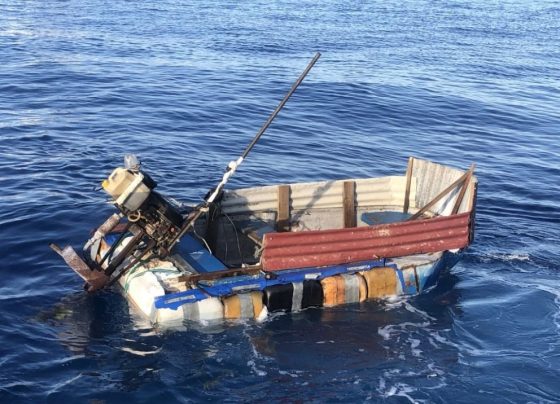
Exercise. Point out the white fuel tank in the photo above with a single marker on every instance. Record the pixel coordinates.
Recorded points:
(126, 188)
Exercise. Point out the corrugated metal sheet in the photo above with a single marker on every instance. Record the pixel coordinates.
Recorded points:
(431, 179)
(331, 247)
(385, 191)
(428, 180)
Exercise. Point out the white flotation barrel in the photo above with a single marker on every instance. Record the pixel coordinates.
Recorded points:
(203, 310)
(141, 285)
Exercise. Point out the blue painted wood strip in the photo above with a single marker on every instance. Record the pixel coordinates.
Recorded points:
(245, 283)
(198, 256)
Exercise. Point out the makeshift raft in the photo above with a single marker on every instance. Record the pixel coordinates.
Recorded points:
(290, 247)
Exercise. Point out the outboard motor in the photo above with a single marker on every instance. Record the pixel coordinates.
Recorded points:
(147, 225)
(133, 194)
(152, 225)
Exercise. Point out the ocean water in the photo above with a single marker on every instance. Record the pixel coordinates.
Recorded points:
(186, 85)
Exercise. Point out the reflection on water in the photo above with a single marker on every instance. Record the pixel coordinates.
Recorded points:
(364, 336)
(81, 318)
(355, 342)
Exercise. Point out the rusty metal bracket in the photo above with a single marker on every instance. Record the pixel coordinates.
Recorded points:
(94, 279)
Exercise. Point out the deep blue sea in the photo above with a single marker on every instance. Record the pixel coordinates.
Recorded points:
(186, 85)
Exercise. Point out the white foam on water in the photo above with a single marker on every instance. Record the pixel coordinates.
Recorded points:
(255, 369)
(257, 357)
(403, 342)
(393, 382)
(391, 329)
(140, 353)
(464, 348)
(385, 332)
(435, 372)
(393, 302)
(414, 344)
(413, 309)
(539, 282)
(505, 257)
(398, 302)
(293, 374)
(401, 390)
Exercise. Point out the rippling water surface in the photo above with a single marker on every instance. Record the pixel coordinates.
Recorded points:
(186, 86)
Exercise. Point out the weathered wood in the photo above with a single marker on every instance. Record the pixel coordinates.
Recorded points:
(439, 197)
(283, 216)
(210, 276)
(463, 190)
(472, 208)
(349, 204)
(408, 182)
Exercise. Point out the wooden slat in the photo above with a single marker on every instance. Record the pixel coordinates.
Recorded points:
(349, 204)
(463, 190)
(283, 216)
(472, 209)
(408, 182)
(226, 273)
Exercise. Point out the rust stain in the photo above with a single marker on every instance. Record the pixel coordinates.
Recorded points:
(331, 247)
(94, 279)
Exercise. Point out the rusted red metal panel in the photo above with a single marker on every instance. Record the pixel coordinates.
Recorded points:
(331, 247)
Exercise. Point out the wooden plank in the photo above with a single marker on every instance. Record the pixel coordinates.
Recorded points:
(472, 210)
(226, 273)
(283, 213)
(463, 190)
(408, 182)
(349, 204)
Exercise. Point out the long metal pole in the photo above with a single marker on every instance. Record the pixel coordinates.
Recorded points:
(232, 166)
(281, 105)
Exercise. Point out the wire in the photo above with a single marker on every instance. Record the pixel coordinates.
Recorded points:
(236, 237)
(202, 239)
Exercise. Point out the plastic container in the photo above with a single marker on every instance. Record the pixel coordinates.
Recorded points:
(126, 188)
(381, 282)
(294, 296)
(207, 309)
(243, 305)
(342, 289)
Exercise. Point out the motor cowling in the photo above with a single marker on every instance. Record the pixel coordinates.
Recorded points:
(132, 191)
(128, 188)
